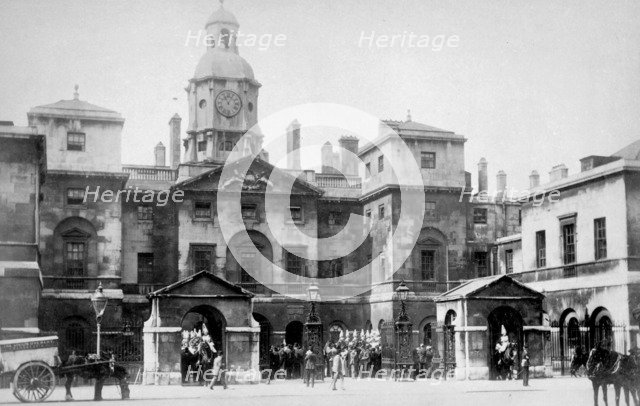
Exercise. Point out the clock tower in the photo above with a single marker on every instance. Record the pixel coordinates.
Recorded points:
(223, 96)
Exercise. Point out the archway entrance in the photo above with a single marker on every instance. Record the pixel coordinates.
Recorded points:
(265, 340)
(200, 324)
(294, 333)
(511, 320)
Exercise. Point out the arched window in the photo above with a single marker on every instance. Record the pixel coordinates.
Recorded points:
(225, 37)
(428, 334)
(334, 331)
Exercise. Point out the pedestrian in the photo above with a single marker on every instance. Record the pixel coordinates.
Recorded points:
(310, 360)
(525, 366)
(338, 369)
(219, 373)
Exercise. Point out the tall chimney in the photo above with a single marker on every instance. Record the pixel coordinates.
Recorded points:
(483, 179)
(558, 172)
(349, 162)
(501, 178)
(327, 158)
(534, 179)
(174, 140)
(293, 145)
(160, 152)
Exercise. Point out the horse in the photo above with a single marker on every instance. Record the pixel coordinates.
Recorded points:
(579, 360)
(606, 367)
(94, 367)
(504, 362)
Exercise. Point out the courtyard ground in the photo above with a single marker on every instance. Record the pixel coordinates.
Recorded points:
(545, 392)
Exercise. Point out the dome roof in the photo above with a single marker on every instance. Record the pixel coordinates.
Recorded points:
(222, 16)
(224, 64)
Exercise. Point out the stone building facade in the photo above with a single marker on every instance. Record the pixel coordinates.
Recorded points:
(144, 251)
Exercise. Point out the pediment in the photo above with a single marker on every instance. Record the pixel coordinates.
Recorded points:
(499, 286)
(200, 285)
(76, 233)
(256, 179)
(505, 287)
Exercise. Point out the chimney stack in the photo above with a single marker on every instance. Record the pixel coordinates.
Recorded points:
(558, 172)
(501, 178)
(293, 145)
(349, 162)
(160, 152)
(174, 140)
(534, 179)
(483, 179)
(327, 158)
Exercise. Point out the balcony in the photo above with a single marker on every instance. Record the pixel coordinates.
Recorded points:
(84, 283)
(576, 270)
(141, 288)
(337, 181)
(150, 173)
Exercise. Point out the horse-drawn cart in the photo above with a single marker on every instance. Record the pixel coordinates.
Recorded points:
(34, 365)
(32, 362)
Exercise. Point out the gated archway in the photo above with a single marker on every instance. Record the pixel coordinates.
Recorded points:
(294, 332)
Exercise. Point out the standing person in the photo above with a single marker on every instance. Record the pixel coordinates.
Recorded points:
(338, 369)
(365, 357)
(310, 360)
(219, 371)
(525, 366)
(353, 362)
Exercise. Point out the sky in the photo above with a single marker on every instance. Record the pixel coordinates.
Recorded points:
(529, 84)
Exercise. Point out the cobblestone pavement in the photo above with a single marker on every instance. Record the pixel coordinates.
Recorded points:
(545, 392)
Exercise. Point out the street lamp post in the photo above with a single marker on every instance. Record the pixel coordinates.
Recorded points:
(404, 342)
(99, 301)
(313, 327)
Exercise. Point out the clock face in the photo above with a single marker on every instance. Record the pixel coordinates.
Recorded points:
(228, 103)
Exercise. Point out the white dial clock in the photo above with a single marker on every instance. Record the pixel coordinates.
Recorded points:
(228, 103)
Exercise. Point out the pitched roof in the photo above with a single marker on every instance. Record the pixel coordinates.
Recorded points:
(257, 161)
(474, 286)
(76, 108)
(202, 274)
(631, 151)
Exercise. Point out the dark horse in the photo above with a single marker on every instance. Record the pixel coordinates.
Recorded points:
(606, 367)
(504, 361)
(90, 367)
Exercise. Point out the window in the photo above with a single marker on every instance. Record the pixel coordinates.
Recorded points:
(294, 264)
(479, 216)
(75, 256)
(202, 210)
(508, 260)
(380, 163)
(202, 259)
(541, 249)
(336, 268)
(367, 170)
(296, 213)
(202, 146)
(248, 259)
(249, 211)
(519, 217)
(145, 267)
(381, 211)
(145, 212)
(600, 237)
(75, 141)
(569, 243)
(75, 196)
(335, 218)
(481, 264)
(428, 264)
(368, 214)
(428, 160)
(430, 209)
(226, 146)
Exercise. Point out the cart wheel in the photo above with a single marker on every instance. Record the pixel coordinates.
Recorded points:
(33, 382)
